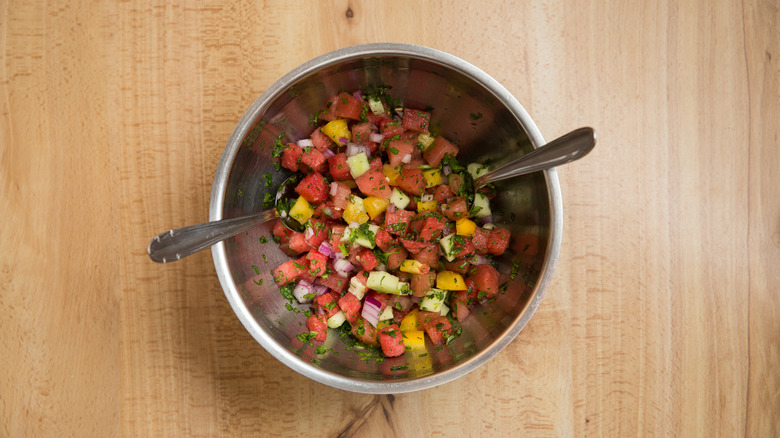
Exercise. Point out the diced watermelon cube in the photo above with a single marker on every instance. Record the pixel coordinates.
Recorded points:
(320, 140)
(411, 180)
(291, 157)
(313, 160)
(319, 324)
(421, 284)
(397, 150)
(328, 303)
(351, 306)
(498, 241)
(336, 231)
(485, 278)
(455, 208)
(433, 226)
(413, 246)
(391, 340)
(438, 330)
(281, 231)
(316, 233)
(364, 331)
(480, 240)
(361, 132)
(416, 120)
(384, 240)
(348, 106)
(390, 128)
(288, 272)
(313, 188)
(397, 257)
(339, 169)
(298, 243)
(335, 282)
(440, 147)
(368, 260)
(373, 183)
(429, 255)
(443, 192)
(397, 222)
(318, 263)
(328, 111)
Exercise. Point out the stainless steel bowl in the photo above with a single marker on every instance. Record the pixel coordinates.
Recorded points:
(469, 108)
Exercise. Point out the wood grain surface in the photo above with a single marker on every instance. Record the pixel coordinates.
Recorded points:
(664, 315)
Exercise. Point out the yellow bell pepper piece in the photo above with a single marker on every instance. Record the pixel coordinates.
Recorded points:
(414, 339)
(465, 227)
(449, 280)
(432, 177)
(301, 211)
(391, 173)
(336, 130)
(425, 139)
(375, 206)
(426, 206)
(353, 214)
(409, 323)
(413, 267)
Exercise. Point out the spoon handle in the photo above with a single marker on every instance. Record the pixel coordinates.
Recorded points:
(567, 148)
(179, 243)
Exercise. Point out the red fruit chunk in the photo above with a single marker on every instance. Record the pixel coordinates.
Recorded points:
(320, 140)
(348, 106)
(395, 258)
(397, 150)
(368, 260)
(336, 231)
(461, 247)
(288, 271)
(318, 324)
(480, 240)
(429, 255)
(413, 246)
(339, 169)
(373, 183)
(335, 282)
(291, 156)
(390, 128)
(498, 241)
(416, 120)
(461, 266)
(438, 330)
(384, 240)
(432, 228)
(313, 188)
(455, 208)
(328, 111)
(313, 160)
(421, 284)
(364, 331)
(341, 198)
(485, 279)
(442, 193)
(350, 305)
(411, 180)
(281, 231)
(455, 181)
(440, 147)
(391, 340)
(526, 244)
(298, 243)
(398, 221)
(462, 300)
(328, 303)
(361, 132)
(317, 232)
(318, 263)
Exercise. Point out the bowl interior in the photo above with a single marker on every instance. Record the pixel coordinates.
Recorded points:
(468, 112)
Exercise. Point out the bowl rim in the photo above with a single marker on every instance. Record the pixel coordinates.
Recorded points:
(218, 193)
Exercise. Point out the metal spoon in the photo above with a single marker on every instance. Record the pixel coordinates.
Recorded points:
(179, 243)
(565, 149)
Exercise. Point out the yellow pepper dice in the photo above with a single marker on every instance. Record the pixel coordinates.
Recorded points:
(432, 177)
(465, 227)
(414, 339)
(375, 206)
(391, 173)
(353, 214)
(449, 280)
(425, 139)
(413, 267)
(336, 130)
(301, 211)
(409, 323)
(426, 206)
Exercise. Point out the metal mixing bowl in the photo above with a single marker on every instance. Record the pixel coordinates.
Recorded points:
(469, 108)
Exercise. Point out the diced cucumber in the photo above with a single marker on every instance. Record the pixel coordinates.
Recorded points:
(357, 288)
(434, 301)
(447, 244)
(482, 205)
(358, 201)
(476, 170)
(375, 104)
(403, 288)
(426, 140)
(444, 309)
(425, 197)
(358, 164)
(399, 199)
(363, 235)
(382, 282)
(488, 226)
(386, 314)
(337, 319)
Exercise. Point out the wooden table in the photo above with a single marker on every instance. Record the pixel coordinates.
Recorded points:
(664, 315)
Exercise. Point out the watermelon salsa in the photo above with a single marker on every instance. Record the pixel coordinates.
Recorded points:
(395, 244)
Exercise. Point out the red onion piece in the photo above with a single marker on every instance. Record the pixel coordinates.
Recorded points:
(487, 219)
(302, 289)
(325, 249)
(343, 139)
(320, 289)
(391, 208)
(371, 310)
(309, 233)
(334, 188)
(305, 143)
(446, 170)
(354, 149)
(343, 266)
(406, 159)
(328, 153)
(358, 95)
(480, 260)
(376, 138)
